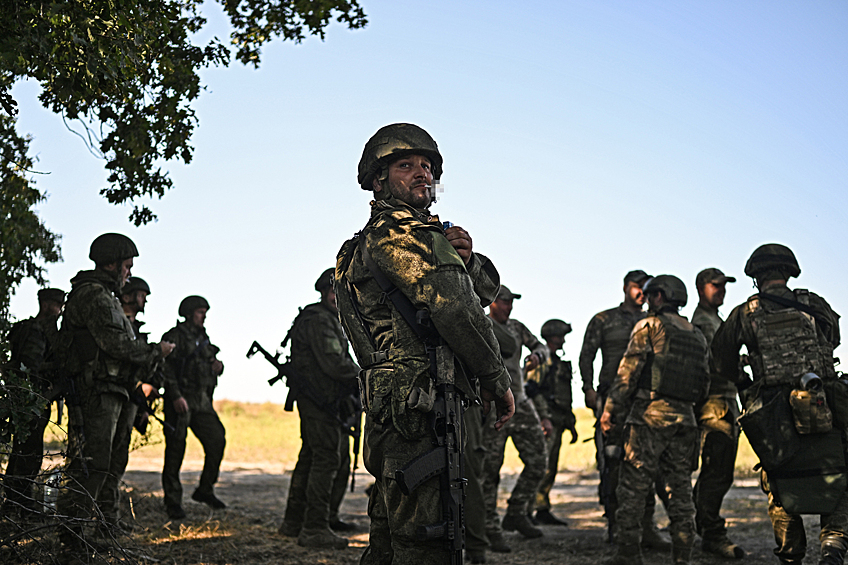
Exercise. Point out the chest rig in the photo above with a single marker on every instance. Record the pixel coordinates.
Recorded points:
(678, 370)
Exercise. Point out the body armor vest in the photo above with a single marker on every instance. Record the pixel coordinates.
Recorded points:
(788, 343)
(679, 371)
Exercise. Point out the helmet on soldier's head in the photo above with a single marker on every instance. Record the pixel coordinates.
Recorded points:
(772, 256)
(392, 142)
(133, 284)
(672, 288)
(111, 248)
(325, 281)
(190, 304)
(555, 327)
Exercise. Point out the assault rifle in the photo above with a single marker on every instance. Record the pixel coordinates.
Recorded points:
(66, 388)
(138, 398)
(284, 371)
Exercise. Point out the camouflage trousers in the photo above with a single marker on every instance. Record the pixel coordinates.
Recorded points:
(25, 464)
(395, 517)
(475, 509)
(96, 460)
(656, 455)
(718, 458)
(560, 421)
(789, 534)
(525, 429)
(207, 427)
(320, 476)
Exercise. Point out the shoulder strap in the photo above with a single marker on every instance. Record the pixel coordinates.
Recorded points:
(790, 303)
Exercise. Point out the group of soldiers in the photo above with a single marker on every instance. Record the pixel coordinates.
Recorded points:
(443, 384)
(103, 368)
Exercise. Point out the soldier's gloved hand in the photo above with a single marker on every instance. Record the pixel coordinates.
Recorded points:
(573, 431)
(180, 405)
(547, 427)
(591, 398)
(217, 367)
(505, 406)
(461, 241)
(166, 347)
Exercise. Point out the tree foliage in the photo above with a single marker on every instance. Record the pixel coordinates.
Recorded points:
(127, 70)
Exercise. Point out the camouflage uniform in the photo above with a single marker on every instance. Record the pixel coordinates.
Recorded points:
(525, 429)
(107, 362)
(736, 331)
(552, 400)
(319, 353)
(661, 433)
(476, 540)
(717, 418)
(188, 374)
(30, 341)
(410, 248)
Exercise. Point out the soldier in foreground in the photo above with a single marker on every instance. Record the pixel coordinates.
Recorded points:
(323, 383)
(525, 428)
(717, 418)
(609, 331)
(30, 341)
(790, 335)
(663, 374)
(191, 375)
(441, 284)
(102, 358)
(549, 387)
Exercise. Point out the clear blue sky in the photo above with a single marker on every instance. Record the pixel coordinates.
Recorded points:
(581, 139)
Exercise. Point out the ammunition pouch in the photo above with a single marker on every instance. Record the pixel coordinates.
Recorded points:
(769, 426)
(810, 411)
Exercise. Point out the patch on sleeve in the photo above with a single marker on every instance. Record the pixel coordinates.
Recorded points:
(332, 345)
(444, 252)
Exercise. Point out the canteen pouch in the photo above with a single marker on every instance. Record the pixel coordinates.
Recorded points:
(810, 411)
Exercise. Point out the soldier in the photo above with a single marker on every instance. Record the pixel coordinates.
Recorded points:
(549, 387)
(663, 373)
(525, 428)
(31, 341)
(790, 334)
(443, 280)
(191, 375)
(103, 358)
(719, 429)
(133, 296)
(609, 331)
(324, 382)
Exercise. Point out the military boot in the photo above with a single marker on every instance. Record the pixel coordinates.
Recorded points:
(626, 555)
(681, 554)
(723, 547)
(652, 538)
(497, 543)
(833, 551)
(516, 522)
(321, 539)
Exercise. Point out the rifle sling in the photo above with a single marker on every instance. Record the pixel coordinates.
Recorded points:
(789, 303)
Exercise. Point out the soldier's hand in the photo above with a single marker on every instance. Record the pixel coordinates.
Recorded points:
(180, 405)
(149, 391)
(547, 427)
(573, 431)
(217, 367)
(605, 422)
(531, 362)
(591, 398)
(461, 241)
(504, 406)
(166, 347)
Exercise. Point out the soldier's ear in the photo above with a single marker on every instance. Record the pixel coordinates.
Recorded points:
(376, 185)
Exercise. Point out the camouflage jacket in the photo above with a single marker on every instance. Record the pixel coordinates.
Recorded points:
(411, 249)
(98, 338)
(188, 369)
(708, 321)
(552, 391)
(648, 408)
(737, 331)
(30, 341)
(319, 353)
(520, 336)
(610, 331)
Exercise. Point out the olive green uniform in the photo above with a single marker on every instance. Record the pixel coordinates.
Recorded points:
(739, 330)
(319, 353)
(188, 375)
(552, 400)
(29, 340)
(717, 418)
(661, 433)
(524, 428)
(107, 362)
(412, 251)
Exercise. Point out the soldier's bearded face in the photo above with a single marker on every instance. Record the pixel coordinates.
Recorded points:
(500, 310)
(714, 293)
(126, 270)
(411, 180)
(633, 294)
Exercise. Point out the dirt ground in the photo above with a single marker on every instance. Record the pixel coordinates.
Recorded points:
(246, 532)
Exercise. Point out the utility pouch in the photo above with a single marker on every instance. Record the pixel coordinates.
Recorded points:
(837, 394)
(810, 411)
(770, 429)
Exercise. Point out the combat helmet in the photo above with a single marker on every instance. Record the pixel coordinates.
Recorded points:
(772, 256)
(111, 248)
(133, 284)
(391, 143)
(555, 327)
(672, 288)
(190, 304)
